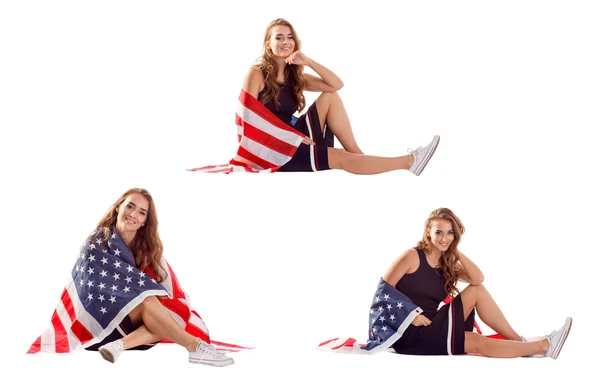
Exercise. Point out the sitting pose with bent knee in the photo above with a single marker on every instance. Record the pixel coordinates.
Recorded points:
(278, 81)
(124, 295)
(428, 273)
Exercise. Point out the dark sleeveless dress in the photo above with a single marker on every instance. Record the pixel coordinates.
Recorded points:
(307, 158)
(446, 334)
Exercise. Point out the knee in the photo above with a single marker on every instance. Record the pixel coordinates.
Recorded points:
(470, 293)
(329, 96)
(475, 289)
(149, 301)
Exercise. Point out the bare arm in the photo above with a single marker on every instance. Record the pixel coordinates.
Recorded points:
(407, 262)
(327, 82)
(468, 271)
(253, 82)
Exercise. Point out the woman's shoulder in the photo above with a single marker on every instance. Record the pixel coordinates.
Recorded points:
(408, 256)
(97, 233)
(254, 81)
(255, 73)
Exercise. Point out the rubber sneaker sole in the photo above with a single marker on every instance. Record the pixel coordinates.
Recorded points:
(430, 152)
(215, 363)
(562, 339)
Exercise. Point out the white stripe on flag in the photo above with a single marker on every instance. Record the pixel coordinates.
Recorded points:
(198, 323)
(63, 315)
(47, 339)
(246, 162)
(83, 316)
(264, 152)
(258, 122)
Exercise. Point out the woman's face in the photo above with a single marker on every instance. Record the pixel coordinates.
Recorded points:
(132, 213)
(281, 42)
(441, 234)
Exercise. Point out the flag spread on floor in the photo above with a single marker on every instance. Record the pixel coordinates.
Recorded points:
(105, 285)
(265, 142)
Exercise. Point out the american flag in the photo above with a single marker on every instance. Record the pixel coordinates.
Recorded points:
(390, 314)
(104, 286)
(265, 142)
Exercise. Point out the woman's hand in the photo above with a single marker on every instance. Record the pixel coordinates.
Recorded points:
(308, 141)
(297, 58)
(421, 320)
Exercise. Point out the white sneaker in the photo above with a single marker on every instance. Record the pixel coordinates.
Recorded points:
(557, 339)
(112, 350)
(422, 155)
(206, 354)
(533, 339)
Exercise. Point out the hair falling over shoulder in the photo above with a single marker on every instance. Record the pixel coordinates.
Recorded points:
(147, 247)
(294, 74)
(448, 261)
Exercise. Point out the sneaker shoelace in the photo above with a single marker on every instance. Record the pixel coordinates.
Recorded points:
(209, 350)
(411, 151)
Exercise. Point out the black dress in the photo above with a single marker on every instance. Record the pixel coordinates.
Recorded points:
(446, 334)
(307, 158)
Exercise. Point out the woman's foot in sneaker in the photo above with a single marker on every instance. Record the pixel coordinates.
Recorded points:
(557, 339)
(112, 350)
(206, 354)
(421, 156)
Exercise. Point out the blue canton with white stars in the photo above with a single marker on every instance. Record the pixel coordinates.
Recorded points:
(389, 310)
(107, 278)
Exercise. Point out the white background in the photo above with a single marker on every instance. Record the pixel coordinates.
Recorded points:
(98, 97)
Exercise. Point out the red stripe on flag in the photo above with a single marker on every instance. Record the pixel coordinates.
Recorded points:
(197, 332)
(327, 342)
(61, 340)
(36, 346)
(243, 165)
(255, 159)
(68, 303)
(81, 332)
(348, 342)
(257, 107)
(266, 139)
(224, 344)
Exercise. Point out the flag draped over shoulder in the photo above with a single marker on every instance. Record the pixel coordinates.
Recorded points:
(265, 142)
(391, 313)
(104, 287)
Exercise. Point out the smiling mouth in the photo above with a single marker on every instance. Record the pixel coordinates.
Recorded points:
(129, 221)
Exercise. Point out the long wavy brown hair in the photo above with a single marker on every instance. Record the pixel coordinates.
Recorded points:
(294, 74)
(448, 261)
(147, 248)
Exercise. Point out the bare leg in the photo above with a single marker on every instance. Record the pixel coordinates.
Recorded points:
(488, 347)
(477, 296)
(332, 112)
(158, 325)
(366, 164)
(140, 336)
